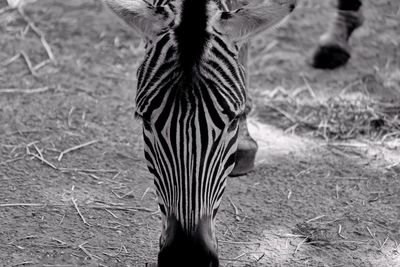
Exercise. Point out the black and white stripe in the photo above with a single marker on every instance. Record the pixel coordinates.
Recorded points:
(191, 90)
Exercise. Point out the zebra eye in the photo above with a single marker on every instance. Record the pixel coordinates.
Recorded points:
(233, 124)
(137, 115)
(146, 122)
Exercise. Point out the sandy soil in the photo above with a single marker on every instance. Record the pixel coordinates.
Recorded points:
(308, 203)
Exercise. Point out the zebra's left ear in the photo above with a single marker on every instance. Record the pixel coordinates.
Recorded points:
(145, 18)
(243, 23)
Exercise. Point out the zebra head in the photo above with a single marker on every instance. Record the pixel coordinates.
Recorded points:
(191, 92)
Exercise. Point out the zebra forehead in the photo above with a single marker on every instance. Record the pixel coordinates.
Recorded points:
(176, 5)
(190, 67)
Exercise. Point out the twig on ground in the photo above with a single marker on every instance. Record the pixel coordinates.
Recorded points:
(23, 263)
(389, 135)
(91, 256)
(113, 255)
(87, 170)
(337, 191)
(30, 144)
(123, 196)
(235, 209)
(41, 64)
(306, 171)
(47, 48)
(345, 145)
(299, 245)
(397, 246)
(116, 175)
(370, 233)
(340, 232)
(240, 256)
(284, 113)
(11, 60)
(62, 219)
(242, 242)
(300, 90)
(259, 258)
(25, 31)
(228, 229)
(288, 235)
(11, 160)
(112, 214)
(40, 157)
(148, 189)
(246, 253)
(75, 148)
(39, 33)
(69, 120)
(11, 205)
(24, 91)
(310, 89)
(315, 218)
(351, 178)
(291, 129)
(90, 175)
(59, 241)
(391, 166)
(38, 151)
(23, 238)
(79, 212)
(289, 195)
(384, 242)
(28, 63)
(277, 91)
(136, 208)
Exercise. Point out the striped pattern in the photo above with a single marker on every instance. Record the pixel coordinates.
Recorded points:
(190, 118)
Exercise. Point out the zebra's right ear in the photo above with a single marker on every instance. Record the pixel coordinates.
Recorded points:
(145, 18)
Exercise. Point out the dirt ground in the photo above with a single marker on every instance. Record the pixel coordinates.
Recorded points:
(309, 202)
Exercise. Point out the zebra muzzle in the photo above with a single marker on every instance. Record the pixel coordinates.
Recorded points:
(183, 248)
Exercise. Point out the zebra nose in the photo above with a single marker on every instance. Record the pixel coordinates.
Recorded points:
(182, 248)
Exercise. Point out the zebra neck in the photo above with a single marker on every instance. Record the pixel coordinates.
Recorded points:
(191, 34)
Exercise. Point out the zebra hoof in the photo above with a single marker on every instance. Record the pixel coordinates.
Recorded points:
(330, 56)
(245, 157)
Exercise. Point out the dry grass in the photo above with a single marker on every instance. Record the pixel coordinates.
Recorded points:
(336, 118)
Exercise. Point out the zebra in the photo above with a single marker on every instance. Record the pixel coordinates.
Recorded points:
(190, 96)
(333, 51)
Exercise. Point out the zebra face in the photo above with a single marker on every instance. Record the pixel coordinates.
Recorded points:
(191, 92)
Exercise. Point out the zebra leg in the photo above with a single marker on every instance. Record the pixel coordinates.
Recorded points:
(334, 50)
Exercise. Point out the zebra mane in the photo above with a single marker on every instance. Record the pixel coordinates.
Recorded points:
(191, 34)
